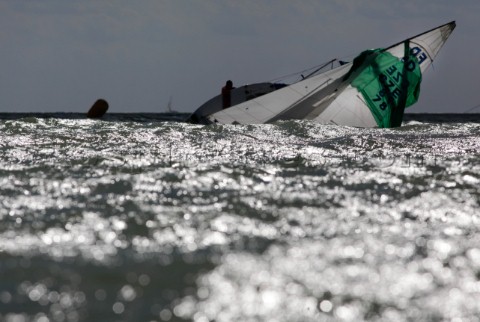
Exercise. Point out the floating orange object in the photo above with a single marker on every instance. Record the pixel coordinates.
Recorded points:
(98, 109)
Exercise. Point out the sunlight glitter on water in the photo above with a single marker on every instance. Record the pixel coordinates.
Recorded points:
(291, 221)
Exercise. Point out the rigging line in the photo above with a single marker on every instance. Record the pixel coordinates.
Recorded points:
(350, 56)
(302, 71)
(319, 68)
(471, 109)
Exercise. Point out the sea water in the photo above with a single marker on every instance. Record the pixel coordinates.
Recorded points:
(144, 218)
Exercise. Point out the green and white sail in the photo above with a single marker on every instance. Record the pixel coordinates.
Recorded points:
(371, 91)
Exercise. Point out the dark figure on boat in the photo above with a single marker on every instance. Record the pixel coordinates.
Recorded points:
(226, 94)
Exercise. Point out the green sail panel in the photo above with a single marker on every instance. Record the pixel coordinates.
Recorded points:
(387, 83)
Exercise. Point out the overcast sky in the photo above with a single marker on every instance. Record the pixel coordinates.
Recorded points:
(58, 55)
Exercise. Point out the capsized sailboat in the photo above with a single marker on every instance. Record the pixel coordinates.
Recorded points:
(371, 91)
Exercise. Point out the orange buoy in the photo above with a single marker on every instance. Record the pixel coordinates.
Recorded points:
(98, 109)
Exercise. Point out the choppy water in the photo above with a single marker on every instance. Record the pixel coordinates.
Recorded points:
(136, 218)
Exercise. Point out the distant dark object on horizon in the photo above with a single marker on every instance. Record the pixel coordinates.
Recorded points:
(98, 109)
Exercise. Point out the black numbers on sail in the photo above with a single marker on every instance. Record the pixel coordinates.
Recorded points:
(378, 98)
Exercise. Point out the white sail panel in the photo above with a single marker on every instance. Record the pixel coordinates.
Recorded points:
(429, 44)
(348, 109)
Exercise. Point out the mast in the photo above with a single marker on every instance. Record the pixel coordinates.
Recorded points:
(169, 105)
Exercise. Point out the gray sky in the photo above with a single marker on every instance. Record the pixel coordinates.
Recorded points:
(58, 55)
